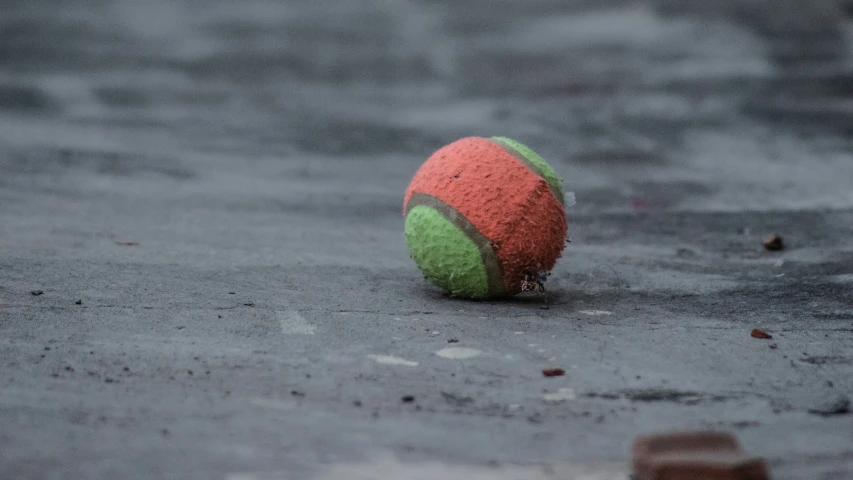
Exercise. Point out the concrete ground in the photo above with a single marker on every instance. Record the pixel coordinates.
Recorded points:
(209, 197)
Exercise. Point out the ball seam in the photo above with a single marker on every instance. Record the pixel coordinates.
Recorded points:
(488, 255)
(527, 163)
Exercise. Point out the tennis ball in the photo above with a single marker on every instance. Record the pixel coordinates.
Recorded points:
(480, 213)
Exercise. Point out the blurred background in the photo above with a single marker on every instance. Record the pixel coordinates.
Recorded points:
(189, 169)
(620, 95)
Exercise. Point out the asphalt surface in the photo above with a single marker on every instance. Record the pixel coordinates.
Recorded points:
(209, 197)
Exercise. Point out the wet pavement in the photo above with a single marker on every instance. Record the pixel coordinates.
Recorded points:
(209, 196)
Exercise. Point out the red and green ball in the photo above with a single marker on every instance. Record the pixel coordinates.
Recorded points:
(480, 213)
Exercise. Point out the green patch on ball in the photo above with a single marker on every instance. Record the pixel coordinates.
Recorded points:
(447, 257)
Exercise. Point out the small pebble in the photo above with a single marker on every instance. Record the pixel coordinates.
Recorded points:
(758, 333)
(774, 243)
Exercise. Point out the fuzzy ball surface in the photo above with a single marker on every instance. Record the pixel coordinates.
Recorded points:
(481, 213)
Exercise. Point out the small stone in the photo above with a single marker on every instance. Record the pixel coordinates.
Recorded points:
(78, 302)
(758, 333)
(774, 243)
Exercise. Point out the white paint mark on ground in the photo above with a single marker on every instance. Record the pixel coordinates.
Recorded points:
(389, 360)
(519, 333)
(458, 353)
(270, 403)
(595, 312)
(843, 278)
(561, 395)
(293, 323)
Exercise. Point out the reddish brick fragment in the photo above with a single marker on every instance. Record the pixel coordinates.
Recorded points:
(758, 333)
(694, 456)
